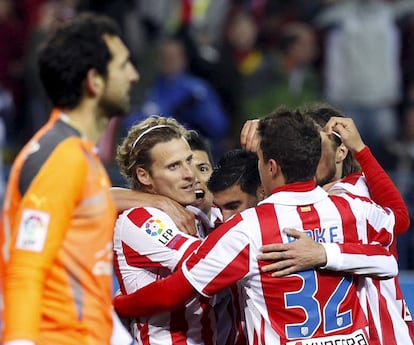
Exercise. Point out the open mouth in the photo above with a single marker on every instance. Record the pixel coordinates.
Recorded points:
(199, 194)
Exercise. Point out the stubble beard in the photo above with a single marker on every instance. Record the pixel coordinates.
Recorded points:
(112, 108)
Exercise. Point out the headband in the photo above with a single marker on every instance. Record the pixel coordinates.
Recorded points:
(145, 132)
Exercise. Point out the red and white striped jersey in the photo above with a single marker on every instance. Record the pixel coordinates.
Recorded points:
(387, 310)
(307, 305)
(148, 246)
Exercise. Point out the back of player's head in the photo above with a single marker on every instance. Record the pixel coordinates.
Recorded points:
(198, 143)
(236, 167)
(321, 112)
(135, 149)
(293, 141)
(70, 52)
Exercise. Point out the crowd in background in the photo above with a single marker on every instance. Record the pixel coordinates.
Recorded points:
(213, 64)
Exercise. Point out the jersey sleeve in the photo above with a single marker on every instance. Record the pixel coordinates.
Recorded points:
(221, 260)
(383, 191)
(41, 223)
(361, 259)
(150, 239)
(370, 255)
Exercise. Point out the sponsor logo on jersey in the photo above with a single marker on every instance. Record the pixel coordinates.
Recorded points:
(156, 228)
(356, 338)
(32, 230)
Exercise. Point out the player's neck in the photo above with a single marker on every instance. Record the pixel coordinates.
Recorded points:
(86, 120)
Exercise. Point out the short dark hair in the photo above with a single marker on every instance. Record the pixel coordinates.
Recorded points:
(321, 112)
(293, 141)
(236, 167)
(199, 142)
(70, 52)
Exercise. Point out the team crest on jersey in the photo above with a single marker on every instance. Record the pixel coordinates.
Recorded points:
(32, 230)
(154, 227)
(305, 208)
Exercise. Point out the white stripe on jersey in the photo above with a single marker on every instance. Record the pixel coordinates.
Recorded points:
(277, 307)
(384, 296)
(148, 246)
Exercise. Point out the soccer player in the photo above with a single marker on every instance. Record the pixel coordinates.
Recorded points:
(58, 214)
(202, 206)
(309, 306)
(235, 182)
(340, 172)
(156, 158)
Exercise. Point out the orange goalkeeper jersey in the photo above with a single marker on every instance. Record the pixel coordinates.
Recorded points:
(56, 241)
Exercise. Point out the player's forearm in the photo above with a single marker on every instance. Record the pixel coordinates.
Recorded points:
(383, 191)
(170, 293)
(125, 198)
(361, 259)
(23, 292)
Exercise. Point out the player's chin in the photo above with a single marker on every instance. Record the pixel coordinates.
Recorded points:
(186, 198)
(198, 202)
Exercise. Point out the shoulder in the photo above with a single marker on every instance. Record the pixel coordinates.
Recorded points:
(146, 216)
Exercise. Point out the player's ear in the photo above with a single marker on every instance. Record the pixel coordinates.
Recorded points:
(94, 82)
(143, 176)
(341, 153)
(274, 168)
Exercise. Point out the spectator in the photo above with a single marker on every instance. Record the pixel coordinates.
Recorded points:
(270, 79)
(183, 96)
(362, 64)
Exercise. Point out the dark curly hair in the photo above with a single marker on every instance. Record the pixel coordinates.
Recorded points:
(70, 52)
(293, 141)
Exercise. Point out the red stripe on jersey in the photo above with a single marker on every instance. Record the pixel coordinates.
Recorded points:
(349, 223)
(179, 326)
(383, 236)
(191, 248)
(270, 232)
(310, 219)
(139, 216)
(118, 273)
(373, 334)
(352, 178)
(255, 338)
(137, 260)
(213, 238)
(371, 250)
(206, 330)
(143, 333)
(234, 271)
(385, 318)
(262, 331)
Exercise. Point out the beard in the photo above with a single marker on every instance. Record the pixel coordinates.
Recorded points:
(328, 177)
(111, 108)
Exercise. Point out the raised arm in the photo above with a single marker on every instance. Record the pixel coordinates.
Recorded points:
(381, 188)
(248, 135)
